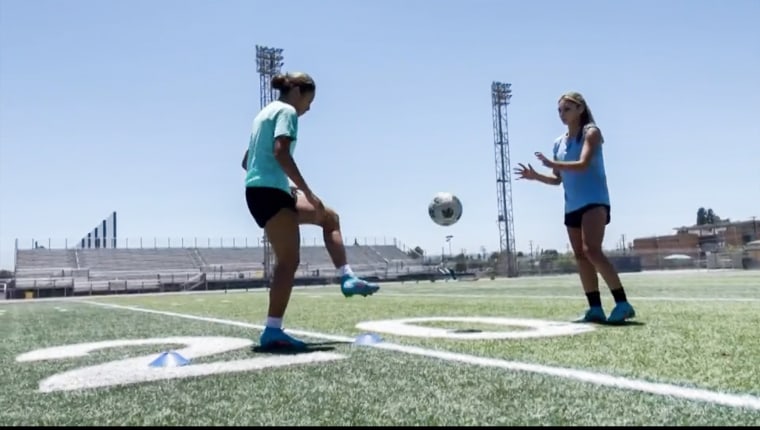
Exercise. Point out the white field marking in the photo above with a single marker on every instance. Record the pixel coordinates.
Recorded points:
(537, 328)
(299, 291)
(136, 370)
(483, 283)
(734, 400)
(500, 283)
(577, 297)
(538, 288)
(165, 294)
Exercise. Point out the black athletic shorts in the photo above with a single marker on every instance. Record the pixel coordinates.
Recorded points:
(575, 218)
(264, 203)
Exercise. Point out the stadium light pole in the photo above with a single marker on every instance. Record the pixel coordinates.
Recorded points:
(269, 62)
(501, 94)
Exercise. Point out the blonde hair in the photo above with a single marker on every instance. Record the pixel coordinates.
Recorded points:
(587, 118)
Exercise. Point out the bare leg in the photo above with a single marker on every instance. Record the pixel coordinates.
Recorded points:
(330, 223)
(586, 269)
(284, 236)
(593, 226)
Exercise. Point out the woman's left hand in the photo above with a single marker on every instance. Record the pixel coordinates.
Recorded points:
(545, 161)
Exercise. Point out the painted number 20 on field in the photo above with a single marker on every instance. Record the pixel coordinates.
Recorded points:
(135, 370)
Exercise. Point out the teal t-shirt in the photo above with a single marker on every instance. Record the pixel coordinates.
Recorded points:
(263, 170)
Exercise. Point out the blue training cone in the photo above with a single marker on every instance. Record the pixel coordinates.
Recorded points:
(367, 339)
(169, 359)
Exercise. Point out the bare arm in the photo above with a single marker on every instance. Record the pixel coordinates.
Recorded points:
(593, 138)
(288, 164)
(554, 179)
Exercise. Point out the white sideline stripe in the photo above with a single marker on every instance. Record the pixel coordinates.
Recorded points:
(733, 400)
(158, 294)
(576, 297)
(309, 291)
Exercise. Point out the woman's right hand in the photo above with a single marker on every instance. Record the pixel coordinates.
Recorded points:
(319, 207)
(526, 172)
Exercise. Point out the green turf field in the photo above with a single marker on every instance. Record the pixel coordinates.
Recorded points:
(691, 358)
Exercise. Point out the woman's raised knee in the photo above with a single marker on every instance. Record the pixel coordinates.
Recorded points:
(330, 220)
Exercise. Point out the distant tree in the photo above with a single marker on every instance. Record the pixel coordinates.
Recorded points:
(417, 252)
(710, 217)
(549, 253)
(701, 216)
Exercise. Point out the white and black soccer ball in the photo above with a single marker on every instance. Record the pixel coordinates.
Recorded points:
(445, 209)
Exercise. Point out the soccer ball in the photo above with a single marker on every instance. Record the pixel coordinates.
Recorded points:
(445, 209)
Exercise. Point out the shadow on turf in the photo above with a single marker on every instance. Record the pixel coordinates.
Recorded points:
(624, 323)
(310, 347)
(620, 324)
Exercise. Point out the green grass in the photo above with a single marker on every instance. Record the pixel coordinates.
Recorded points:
(684, 337)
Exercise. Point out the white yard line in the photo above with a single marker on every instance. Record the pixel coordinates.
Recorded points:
(718, 398)
(164, 294)
(319, 291)
(565, 297)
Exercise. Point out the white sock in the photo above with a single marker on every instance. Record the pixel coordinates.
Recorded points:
(345, 270)
(274, 322)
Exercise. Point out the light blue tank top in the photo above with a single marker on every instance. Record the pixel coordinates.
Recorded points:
(582, 187)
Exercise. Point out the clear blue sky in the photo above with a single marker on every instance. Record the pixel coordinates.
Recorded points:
(145, 107)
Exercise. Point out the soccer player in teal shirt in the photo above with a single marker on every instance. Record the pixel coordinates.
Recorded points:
(578, 164)
(280, 209)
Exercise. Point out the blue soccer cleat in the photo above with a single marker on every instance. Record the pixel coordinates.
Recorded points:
(275, 338)
(350, 285)
(593, 315)
(621, 312)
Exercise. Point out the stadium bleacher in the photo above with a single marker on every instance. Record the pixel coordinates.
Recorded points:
(130, 269)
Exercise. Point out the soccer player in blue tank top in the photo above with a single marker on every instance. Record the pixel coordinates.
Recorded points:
(578, 164)
(280, 208)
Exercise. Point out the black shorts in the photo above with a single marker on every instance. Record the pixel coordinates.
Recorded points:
(264, 203)
(575, 218)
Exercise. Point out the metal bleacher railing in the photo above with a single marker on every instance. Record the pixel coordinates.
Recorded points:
(145, 264)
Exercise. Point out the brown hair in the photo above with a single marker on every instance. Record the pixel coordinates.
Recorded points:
(586, 116)
(287, 81)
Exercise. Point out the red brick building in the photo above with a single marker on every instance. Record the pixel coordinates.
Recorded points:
(726, 234)
(694, 242)
(653, 250)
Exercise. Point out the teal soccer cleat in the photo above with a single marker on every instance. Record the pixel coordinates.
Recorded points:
(351, 286)
(621, 312)
(593, 315)
(275, 338)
